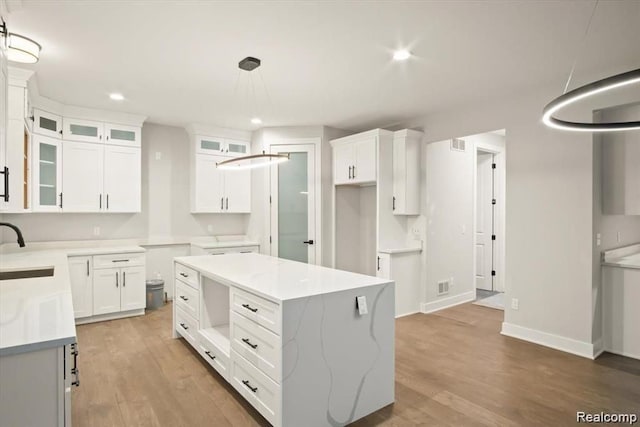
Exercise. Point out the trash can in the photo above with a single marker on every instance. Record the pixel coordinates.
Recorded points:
(155, 294)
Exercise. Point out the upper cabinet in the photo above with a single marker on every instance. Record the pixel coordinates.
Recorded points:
(222, 146)
(355, 159)
(47, 174)
(98, 132)
(406, 172)
(47, 124)
(122, 135)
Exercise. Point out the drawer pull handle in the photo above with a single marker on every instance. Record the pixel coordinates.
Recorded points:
(247, 342)
(208, 353)
(248, 307)
(248, 385)
(184, 298)
(120, 260)
(184, 275)
(184, 326)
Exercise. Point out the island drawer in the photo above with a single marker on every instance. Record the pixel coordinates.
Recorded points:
(118, 260)
(257, 344)
(187, 275)
(186, 326)
(214, 356)
(262, 392)
(187, 298)
(258, 309)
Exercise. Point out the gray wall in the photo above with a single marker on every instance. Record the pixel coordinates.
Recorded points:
(165, 202)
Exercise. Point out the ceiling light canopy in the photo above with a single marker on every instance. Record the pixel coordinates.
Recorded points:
(116, 96)
(253, 161)
(256, 121)
(586, 91)
(401, 55)
(19, 48)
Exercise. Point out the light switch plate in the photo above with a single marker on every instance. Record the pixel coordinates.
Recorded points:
(361, 305)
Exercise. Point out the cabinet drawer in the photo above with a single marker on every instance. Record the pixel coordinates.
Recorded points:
(187, 298)
(214, 356)
(256, 387)
(234, 250)
(187, 275)
(186, 326)
(258, 309)
(258, 345)
(118, 260)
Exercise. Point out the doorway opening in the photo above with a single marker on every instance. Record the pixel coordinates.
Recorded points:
(489, 220)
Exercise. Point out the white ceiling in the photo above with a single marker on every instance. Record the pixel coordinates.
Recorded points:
(323, 62)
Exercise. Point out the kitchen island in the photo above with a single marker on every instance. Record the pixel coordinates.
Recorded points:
(305, 345)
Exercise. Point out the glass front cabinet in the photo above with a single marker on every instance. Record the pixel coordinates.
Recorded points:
(47, 174)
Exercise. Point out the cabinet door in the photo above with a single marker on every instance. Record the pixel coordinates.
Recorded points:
(16, 152)
(82, 173)
(122, 179)
(82, 130)
(366, 161)
(106, 291)
(343, 162)
(80, 276)
(3, 130)
(210, 145)
(122, 135)
(383, 266)
(47, 174)
(236, 148)
(237, 189)
(133, 290)
(399, 176)
(47, 124)
(209, 185)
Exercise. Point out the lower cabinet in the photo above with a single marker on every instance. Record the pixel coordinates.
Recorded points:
(107, 285)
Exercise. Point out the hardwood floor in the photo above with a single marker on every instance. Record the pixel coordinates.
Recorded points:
(453, 368)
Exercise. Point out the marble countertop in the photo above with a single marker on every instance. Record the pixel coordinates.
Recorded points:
(626, 257)
(214, 243)
(276, 279)
(36, 313)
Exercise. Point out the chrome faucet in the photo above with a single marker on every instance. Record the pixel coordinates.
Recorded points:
(18, 232)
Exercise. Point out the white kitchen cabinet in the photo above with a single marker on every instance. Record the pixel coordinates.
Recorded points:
(402, 266)
(383, 266)
(82, 130)
(237, 148)
(217, 190)
(122, 179)
(47, 174)
(82, 173)
(4, 169)
(106, 291)
(355, 161)
(133, 290)
(47, 124)
(406, 172)
(81, 278)
(215, 145)
(128, 136)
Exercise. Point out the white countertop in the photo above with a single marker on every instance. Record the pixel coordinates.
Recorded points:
(36, 313)
(275, 278)
(626, 257)
(214, 242)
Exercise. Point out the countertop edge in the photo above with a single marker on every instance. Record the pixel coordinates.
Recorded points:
(42, 345)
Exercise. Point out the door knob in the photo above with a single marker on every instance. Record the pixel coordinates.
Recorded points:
(308, 242)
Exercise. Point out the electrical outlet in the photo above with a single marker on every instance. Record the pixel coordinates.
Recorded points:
(96, 230)
(515, 304)
(598, 239)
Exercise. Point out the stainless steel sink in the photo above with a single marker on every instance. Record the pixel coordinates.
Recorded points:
(26, 274)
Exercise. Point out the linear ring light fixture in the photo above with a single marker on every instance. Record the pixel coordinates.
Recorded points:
(19, 48)
(586, 91)
(248, 162)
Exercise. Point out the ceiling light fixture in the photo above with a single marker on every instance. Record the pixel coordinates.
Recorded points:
(19, 48)
(253, 161)
(249, 64)
(586, 91)
(401, 55)
(116, 96)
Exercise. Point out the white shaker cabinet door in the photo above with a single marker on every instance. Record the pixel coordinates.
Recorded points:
(343, 164)
(82, 174)
(133, 288)
(81, 278)
(209, 192)
(106, 291)
(122, 179)
(237, 185)
(366, 161)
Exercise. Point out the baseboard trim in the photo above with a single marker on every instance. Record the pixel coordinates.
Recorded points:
(621, 353)
(110, 316)
(598, 348)
(441, 304)
(407, 314)
(557, 342)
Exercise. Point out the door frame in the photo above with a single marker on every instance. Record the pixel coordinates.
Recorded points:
(315, 144)
(499, 188)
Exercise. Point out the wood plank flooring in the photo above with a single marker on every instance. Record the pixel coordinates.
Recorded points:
(453, 368)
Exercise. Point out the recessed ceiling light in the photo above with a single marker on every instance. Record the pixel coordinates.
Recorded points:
(256, 121)
(401, 55)
(116, 96)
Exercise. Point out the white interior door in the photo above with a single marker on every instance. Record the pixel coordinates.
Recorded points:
(293, 204)
(83, 176)
(484, 222)
(122, 178)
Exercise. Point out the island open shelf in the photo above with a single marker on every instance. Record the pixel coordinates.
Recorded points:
(214, 319)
